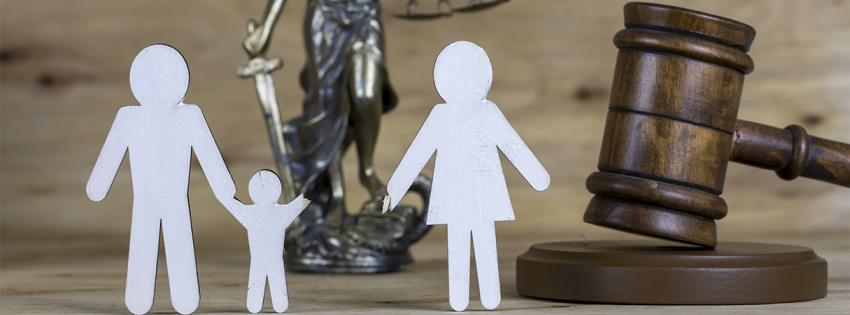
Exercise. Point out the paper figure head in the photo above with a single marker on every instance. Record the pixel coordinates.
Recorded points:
(159, 76)
(264, 188)
(463, 73)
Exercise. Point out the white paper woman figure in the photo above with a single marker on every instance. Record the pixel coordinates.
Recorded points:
(469, 191)
(266, 222)
(160, 135)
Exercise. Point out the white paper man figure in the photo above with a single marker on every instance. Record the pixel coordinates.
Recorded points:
(266, 222)
(160, 136)
(468, 192)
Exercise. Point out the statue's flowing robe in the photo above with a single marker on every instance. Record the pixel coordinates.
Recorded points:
(335, 33)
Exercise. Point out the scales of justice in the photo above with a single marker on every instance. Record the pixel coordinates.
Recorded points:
(346, 90)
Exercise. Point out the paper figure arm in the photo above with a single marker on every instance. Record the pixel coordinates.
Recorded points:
(509, 142)
(237, 209)
(421, 149)
(110, 157)
(210, 158)
(290, 211)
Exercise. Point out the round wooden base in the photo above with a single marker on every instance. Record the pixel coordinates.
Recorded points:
(658, 272)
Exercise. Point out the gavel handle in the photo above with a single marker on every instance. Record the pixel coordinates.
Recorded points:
(791, 152)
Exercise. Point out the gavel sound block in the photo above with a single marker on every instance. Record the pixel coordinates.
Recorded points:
(671, 130)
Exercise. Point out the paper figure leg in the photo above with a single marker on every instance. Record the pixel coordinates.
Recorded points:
(277, 285)
(487, 263)
(256, 286)
(458, 267)
(180, 259)
(141, 265)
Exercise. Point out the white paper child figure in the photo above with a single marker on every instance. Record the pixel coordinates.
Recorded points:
(266, 222)
(468, 192)
(160, 136)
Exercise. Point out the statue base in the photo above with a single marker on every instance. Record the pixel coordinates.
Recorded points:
(326, 239)
(360, 264)
(364, 243)
(658, 272)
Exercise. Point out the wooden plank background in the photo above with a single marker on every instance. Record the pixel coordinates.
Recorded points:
(64, 68)
(65, 64)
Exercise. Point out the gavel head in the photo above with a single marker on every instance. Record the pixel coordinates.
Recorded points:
(672, 115)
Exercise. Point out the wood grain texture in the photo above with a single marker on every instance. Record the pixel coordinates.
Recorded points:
(705, 25)
(85, 275)
(63, 75)
(657, 193)
(791, 152)
(673, 118)
(656, 272)
(665, 149)
(666, 85)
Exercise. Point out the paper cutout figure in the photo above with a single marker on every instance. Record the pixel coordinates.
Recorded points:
(160, 136)
(266, 222)
(469, 192)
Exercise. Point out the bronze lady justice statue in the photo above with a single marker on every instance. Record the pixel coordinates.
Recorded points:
(346, 90)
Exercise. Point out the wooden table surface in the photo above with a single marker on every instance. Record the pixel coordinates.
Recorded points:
(86, 275)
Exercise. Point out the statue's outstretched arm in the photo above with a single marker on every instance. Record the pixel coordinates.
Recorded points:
(260, 69)
(259, 34)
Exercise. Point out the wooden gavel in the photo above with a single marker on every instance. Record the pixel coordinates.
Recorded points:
(672, 128)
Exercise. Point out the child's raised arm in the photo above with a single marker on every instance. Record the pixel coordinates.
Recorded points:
(420, 151)
(110, 157)
(509, 142)
(290, 211)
